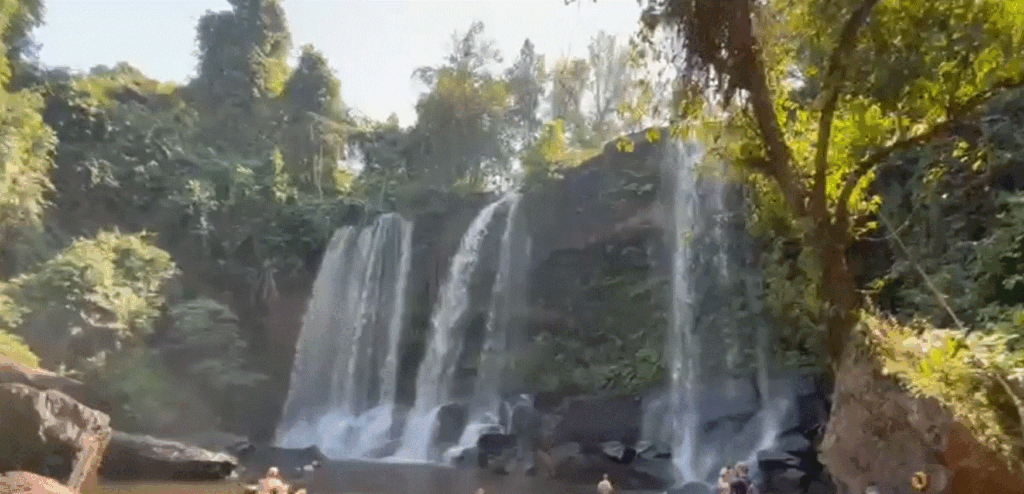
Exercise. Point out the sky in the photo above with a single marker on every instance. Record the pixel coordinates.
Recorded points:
(373, 45)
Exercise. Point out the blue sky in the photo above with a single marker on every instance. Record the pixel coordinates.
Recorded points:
(373, 45)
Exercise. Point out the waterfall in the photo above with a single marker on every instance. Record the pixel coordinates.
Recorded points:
(445, 343)
(715, 309)
(682, 344)
(506, 297)
(343, 382)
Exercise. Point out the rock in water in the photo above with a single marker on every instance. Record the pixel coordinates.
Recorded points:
(30, 483)
(37, 427)
(133, 457)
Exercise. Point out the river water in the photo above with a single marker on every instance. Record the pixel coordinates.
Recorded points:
(373, 478)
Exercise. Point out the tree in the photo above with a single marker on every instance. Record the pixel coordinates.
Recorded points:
(243, 51)
(609, 81)
(28, 143)
(818, 95)
(460, 129)
(314, 138)
(526, 80)
(569, 80)
(21, 17)
(109, 288)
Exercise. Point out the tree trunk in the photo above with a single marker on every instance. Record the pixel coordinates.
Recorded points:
(839, 291)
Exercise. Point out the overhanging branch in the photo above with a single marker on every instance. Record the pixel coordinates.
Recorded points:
(834, 78)
(968, 110)
(779, 155)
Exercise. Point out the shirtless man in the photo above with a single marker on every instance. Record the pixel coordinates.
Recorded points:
(605, 486)
(272, 483)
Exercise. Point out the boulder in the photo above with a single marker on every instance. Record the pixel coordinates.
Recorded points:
(258, 458)
(880, 435)
(12, 372)
(618, 451)
(491, 446)
(591, 421)
(451, 419)
(135, 457)
(30, 483)
(48, 431)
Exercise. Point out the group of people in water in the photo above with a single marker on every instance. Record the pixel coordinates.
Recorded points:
(736, 480)
(731, 480)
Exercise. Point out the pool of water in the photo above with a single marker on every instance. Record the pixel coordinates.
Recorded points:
(373, 478)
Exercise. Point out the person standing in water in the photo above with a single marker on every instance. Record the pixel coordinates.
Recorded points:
(741, 482)
(725, 478)
(605, 486)
(272, 483)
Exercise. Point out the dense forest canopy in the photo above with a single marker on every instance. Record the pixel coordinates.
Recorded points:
(880, 140)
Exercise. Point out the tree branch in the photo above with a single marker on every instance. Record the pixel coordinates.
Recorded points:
(779, 155)
(834, 79)
(968, 108)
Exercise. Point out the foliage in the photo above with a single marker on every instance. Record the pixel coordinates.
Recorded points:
(145, 396)
(826, 98)
(976, 376)
(616, 342)
(242, 51)
(17, 20)
(526, 78)
(460, 129)
(552, 154)
(111, 282)
(205, 336)
(27, 144)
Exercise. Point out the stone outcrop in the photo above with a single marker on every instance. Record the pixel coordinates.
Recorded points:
(878, 435)
(12, 372)
(47, 431)
(30, 483)
(135, 457)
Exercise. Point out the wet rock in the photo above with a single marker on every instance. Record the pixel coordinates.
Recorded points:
(261, 457)
(494, 446)
(820, 487)
(591, 421)
(451, 419)
(385, 450)
(659, 469)
(49, 432)
(30, 483)
(618, 451)
(690, 488)
(785, 481)
(134, 457)
(466, 457)
(776, 460)
(791, 443)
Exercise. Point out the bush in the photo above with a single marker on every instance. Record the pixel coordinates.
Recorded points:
(976, 376)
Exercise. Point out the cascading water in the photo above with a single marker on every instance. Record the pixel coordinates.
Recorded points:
(711, 289)
(509, 286)
(445, 343)
(343, 383)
